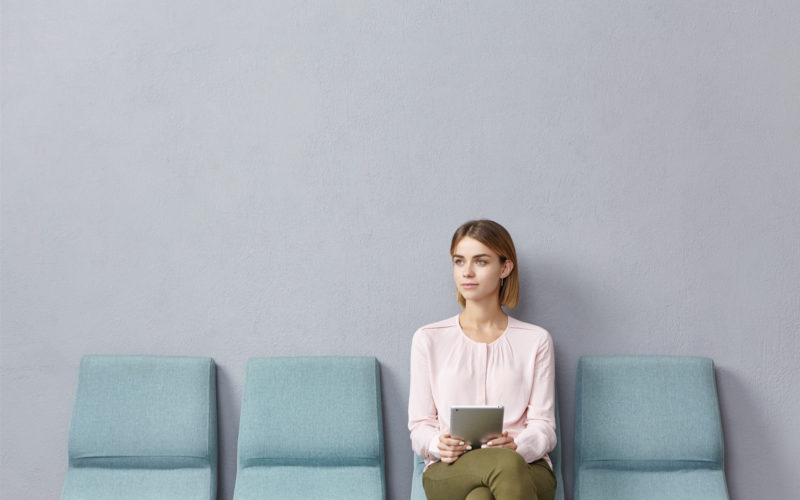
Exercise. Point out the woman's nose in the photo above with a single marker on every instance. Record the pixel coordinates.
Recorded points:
(468, 270)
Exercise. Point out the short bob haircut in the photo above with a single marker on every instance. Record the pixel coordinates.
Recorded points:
(494, 236)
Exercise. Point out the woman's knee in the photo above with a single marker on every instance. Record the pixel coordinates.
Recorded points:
(509, 476)
(508, 461)
(506, 457)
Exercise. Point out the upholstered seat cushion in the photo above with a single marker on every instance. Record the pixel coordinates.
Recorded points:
(297, 482)
(655, 485)
(138, 484)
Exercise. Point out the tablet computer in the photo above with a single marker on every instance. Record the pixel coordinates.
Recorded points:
(475, 424)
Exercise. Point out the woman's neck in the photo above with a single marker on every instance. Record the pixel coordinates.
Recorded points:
(483, 324)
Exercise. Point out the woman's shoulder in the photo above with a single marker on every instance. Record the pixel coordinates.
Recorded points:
(439, 326)
(438, 336)
(527, 328)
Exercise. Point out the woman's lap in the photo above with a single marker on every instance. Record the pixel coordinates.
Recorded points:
(490, 473)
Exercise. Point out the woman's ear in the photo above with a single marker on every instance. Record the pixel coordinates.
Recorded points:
(508, 266)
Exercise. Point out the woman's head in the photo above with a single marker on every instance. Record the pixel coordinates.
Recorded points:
(496, 238)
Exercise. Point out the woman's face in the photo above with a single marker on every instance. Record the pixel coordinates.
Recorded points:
(477, 270)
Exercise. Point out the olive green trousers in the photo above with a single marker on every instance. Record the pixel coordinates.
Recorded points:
(490, 474)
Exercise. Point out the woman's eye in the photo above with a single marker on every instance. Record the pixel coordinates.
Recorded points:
(482, 262)
(457, 262)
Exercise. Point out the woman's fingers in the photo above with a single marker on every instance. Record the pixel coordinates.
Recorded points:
(449, 440)
(503, 441)
(453, 451)
(451, 448)
(451, 455)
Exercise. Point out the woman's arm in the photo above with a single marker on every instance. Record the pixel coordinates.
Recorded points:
(539, 436)
(423, 417)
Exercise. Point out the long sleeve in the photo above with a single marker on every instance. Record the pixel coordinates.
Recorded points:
(539, 435)
(423, 421)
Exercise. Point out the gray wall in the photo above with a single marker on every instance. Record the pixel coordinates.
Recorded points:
(280, 178)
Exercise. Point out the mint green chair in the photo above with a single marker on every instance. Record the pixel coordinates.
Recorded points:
(648, 427)
(418, 492)
(143, 427)
(311, 427)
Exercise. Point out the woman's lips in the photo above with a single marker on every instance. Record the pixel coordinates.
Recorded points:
(468, 285)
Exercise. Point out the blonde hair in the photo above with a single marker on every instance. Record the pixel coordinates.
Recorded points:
(494, 236)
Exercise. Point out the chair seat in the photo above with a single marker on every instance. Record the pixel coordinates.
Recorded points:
(297, 482)
(652, 485)
(95, 483)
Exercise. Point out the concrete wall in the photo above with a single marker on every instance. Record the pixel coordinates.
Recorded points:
(240, 179)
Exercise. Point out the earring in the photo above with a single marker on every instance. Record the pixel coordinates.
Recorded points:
(502, 282)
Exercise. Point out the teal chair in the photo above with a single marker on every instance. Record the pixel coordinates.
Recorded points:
(648, 427)
(311, 427)
(418, 492)
(143, 427)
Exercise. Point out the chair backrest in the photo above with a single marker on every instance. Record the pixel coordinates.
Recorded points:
(144, 411)
(311, 411)
(143, 427)
(647, 413)
(418, 492)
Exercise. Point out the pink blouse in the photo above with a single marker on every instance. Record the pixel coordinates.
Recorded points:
(517, 371)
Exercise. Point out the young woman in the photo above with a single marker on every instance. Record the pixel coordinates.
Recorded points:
(484, 357)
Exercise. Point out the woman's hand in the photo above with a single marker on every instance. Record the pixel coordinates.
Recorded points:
(451, 448)
(502, 441)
